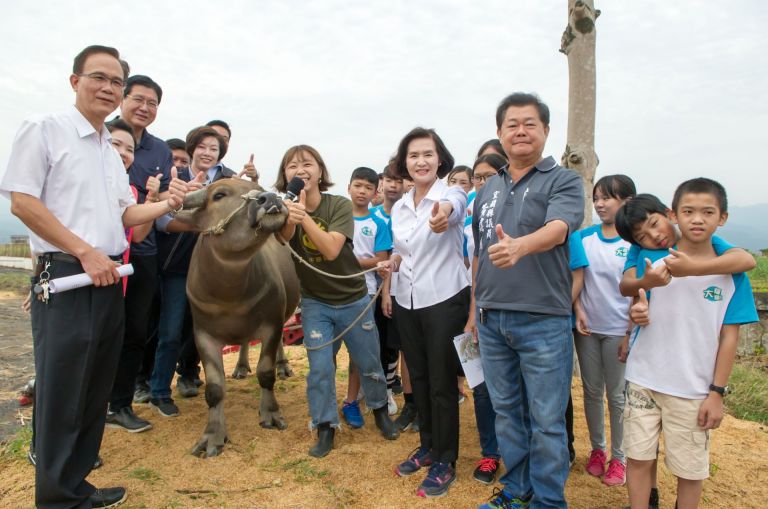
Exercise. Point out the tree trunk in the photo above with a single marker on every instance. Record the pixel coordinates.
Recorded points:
(578, 44)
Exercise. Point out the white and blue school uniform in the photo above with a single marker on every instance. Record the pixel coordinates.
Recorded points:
(676, 352)
(379, 211)
(603, 260)
(372, 235)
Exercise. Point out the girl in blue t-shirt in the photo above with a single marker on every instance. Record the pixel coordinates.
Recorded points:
(602, 321)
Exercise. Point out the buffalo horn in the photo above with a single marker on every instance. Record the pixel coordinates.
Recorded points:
(195, 199)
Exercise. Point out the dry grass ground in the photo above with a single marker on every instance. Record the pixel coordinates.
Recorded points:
(268, 468)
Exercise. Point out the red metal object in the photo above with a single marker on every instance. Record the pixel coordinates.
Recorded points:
(292, 333)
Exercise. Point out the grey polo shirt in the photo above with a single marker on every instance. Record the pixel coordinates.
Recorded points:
(538, 283)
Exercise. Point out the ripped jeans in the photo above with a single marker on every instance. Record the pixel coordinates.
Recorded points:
(321, 322)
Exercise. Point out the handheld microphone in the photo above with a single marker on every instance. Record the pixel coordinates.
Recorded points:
(293, 189)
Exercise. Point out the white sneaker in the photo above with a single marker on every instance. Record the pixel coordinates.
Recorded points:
(391, 403)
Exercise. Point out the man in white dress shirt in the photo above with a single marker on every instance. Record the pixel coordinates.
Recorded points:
(68, 185)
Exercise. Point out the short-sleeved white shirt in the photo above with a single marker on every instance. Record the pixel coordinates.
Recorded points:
(76, 173)
(604, 258)
(432, 267)
(372, 235)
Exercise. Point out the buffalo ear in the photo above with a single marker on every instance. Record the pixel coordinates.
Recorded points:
(196, 199)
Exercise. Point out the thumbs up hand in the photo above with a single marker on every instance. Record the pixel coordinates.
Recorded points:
(438, 222)
(638, 312)
(297, 211)
(198, 182)
(508, 250)
(655, 276)
(177, 189)
(153, 188)
(249, 170)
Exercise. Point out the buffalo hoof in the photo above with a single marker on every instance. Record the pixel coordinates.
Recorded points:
(240, 372)
(283, 370)
(205, 448)
(273, 421)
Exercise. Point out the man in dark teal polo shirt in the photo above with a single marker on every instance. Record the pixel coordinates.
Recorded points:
(522, 304)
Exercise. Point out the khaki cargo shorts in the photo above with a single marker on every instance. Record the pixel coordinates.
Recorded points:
(648, 413)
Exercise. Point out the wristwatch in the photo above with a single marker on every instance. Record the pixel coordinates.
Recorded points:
(723, 391)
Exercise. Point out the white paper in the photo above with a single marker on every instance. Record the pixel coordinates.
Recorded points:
(469, 356)
(62, 284)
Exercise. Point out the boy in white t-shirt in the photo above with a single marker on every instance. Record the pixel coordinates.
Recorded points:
(371, 244)
(682, 354)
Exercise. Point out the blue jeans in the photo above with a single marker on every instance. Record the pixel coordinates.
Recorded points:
(173, 304)
(485, 418)
(528, 360)
(321, 322)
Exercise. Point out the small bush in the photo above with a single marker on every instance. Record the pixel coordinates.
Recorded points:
(15, 250)
(16, 447)
(759, 275)
(15, 281)
(749, 399)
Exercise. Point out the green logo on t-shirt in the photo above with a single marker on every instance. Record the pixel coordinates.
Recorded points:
(713, 293)
(367, 231)
(621, 252)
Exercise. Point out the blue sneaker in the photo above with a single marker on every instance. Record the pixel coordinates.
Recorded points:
(501, 500)
(439, 478)
(419, 457)
(351, 413)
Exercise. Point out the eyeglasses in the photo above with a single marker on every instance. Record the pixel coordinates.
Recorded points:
(138, 100)
(101, 79)
(481, 178)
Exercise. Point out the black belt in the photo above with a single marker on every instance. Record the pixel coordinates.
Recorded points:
(67, 258)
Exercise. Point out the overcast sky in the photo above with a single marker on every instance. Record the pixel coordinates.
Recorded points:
(681, 84)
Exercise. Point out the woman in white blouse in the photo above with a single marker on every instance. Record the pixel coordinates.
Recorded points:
(432, 300)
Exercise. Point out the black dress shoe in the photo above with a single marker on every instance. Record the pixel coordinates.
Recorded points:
(108, 497)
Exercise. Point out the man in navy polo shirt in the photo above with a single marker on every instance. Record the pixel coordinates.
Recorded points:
(522, 304)
(141, 99)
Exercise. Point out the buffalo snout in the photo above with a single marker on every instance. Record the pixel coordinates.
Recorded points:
(267, 209)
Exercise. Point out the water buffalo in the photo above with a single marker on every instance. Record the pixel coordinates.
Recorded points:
(242, 285)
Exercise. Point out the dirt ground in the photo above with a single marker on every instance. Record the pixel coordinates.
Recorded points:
(269, 468)
(16, 361)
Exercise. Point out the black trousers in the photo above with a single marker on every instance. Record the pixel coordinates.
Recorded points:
(148, 360)
(139, 298)
(427, 336)
(189, 359)
(77, 338)
(389, 355)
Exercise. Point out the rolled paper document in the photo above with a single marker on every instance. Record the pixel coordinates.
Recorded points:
(62, 284)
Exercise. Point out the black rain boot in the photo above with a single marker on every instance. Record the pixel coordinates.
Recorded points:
(324, 440)
(385, 424)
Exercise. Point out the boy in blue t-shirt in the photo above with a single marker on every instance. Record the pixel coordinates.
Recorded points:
(682, 354)
(371, 244)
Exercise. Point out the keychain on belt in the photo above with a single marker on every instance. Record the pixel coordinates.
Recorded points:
(41, 288)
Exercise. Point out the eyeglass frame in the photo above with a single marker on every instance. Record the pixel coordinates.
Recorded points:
(100, 77)
(481, 178)
(150, 103)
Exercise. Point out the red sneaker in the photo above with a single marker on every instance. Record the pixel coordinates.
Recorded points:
(616, 475)
(596, 463)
